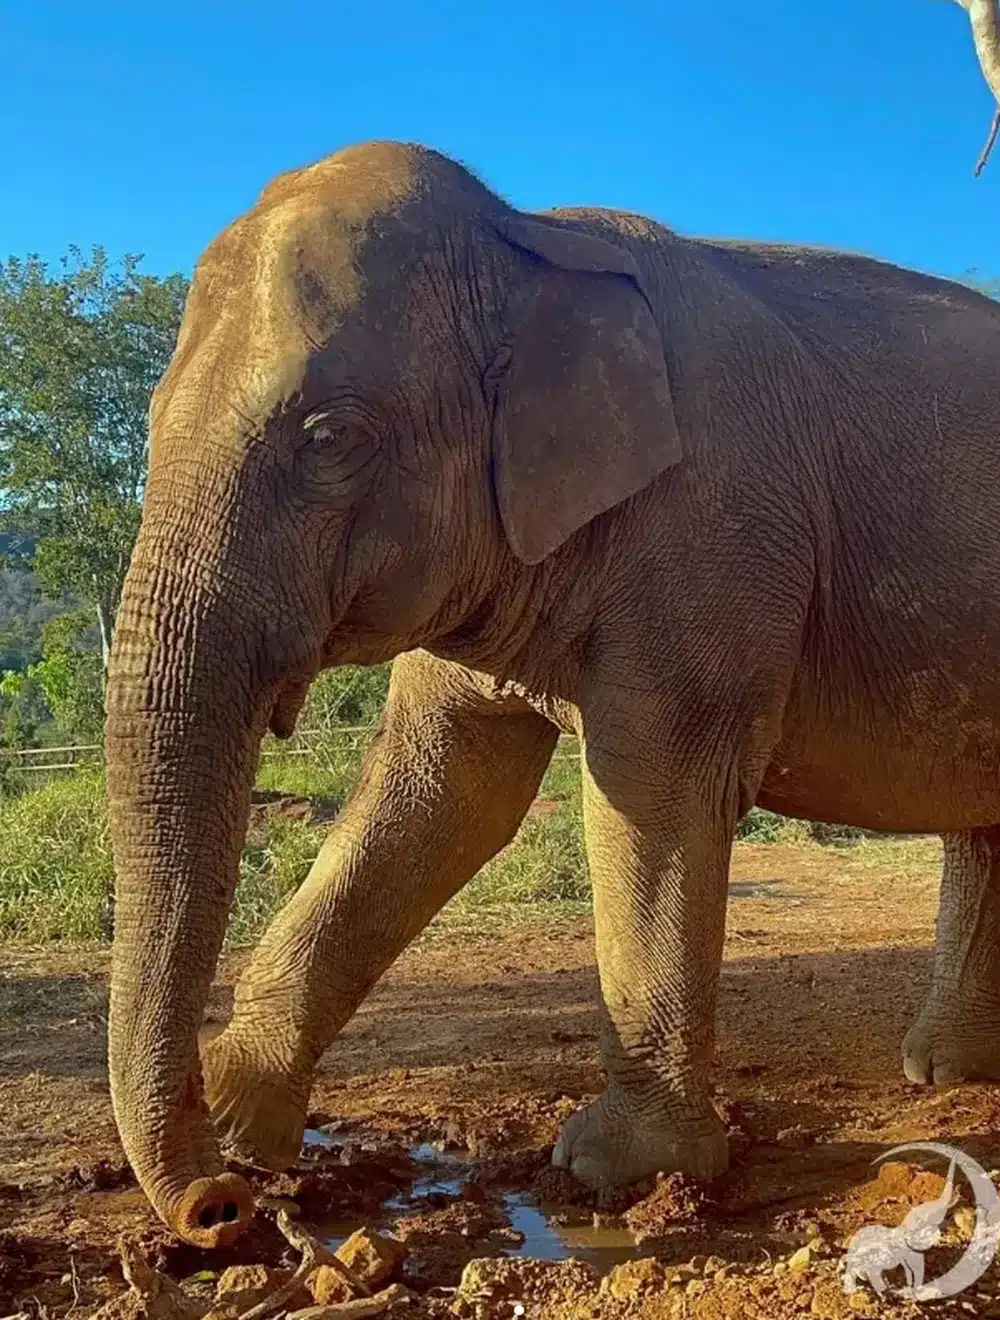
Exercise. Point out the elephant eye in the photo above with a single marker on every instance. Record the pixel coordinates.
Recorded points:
(322, 428)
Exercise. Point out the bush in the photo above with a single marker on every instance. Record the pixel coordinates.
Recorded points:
(56, 872)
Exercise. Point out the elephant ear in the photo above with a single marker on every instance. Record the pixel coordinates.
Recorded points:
(584, 415)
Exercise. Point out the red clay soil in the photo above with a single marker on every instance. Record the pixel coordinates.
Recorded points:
(482, 1042)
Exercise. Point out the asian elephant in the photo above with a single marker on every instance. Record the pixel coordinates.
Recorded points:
(727, 511)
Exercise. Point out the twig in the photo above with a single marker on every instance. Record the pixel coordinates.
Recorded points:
(360, 1309)
(76, 1285)
(984, 155)
(313, 1253)
(300, 1239)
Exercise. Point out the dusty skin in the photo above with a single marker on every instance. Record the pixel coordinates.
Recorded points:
(482, 1041)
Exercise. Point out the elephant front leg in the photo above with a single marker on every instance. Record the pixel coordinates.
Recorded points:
(658, 843)
(444, 787)
(956, 1037)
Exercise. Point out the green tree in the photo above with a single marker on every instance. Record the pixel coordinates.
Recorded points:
(80, 351)
(66, 682)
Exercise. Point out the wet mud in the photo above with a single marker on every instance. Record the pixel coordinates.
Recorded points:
(435, 1114)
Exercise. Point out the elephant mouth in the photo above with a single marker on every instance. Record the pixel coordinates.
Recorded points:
(288, 704)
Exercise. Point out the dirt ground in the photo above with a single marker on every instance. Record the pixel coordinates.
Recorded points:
(439, 1104)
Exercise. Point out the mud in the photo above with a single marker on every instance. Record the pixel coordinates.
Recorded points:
(435, 1113)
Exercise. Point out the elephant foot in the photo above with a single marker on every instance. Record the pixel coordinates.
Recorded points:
(258, 1119)
(949, 1045)
(609, 1144)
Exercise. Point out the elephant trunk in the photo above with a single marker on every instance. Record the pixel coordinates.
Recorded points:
(189, 696)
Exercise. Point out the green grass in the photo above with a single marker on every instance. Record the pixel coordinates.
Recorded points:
(330, 770)
(55, 862)
(56, 873)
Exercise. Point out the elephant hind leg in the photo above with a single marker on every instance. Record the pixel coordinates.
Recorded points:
(956, 1036)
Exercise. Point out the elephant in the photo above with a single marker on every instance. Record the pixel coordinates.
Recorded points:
(727, 511)
(875, 1249)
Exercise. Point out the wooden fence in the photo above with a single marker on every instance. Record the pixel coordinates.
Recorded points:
(306, 743)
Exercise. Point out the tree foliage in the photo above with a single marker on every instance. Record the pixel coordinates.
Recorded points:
(81, 349)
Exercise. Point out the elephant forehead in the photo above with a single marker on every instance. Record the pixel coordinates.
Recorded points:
(265, 298)
(316, 278)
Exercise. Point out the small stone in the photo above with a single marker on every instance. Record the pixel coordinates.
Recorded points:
(243, 1286)
(698, 1264)
(371, 1256)
(829, 1302)
(714, 1264)
(800, 1261)
(634, 1279)
(964, 1219)
(860, 1301)
(780, 1267)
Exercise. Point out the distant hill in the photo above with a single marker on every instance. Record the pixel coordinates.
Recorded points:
(23, 611)
(16, 543)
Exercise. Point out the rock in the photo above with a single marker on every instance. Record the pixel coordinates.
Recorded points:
(486, 1283)
(635, 1278)
(964, 1219)
(371, 1256)
(243, 1286)
(800, 1261)
(829, 1301)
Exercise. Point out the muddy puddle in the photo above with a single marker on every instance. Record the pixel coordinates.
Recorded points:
(443, 1179)
(767, 889)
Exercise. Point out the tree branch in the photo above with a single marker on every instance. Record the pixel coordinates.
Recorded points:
(984, 19)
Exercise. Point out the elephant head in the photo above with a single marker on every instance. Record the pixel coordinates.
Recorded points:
(922, 1226)
(393, 402)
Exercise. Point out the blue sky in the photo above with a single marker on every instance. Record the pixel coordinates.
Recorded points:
(851, 123)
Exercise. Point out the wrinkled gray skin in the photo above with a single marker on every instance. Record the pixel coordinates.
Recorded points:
(729, 512)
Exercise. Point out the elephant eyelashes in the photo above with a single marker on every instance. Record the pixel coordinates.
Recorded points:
(321, 429)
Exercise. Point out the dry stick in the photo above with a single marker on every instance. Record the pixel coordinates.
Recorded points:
(361, 1309)
(301, 1241)
(313, 1254)
(984, 155)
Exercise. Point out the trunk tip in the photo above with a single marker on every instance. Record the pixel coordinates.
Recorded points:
(213, 1212)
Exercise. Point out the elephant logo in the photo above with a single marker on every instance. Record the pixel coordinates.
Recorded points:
(875, 1250)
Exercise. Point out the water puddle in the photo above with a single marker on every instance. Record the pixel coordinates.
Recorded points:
(542, 1232)
(761, 889)
(315, 1140)
(545, 1240)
